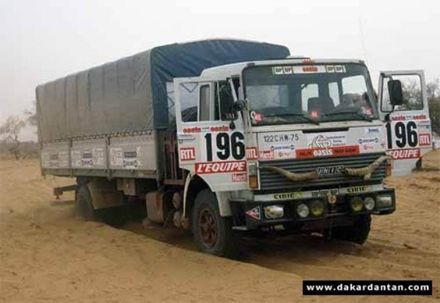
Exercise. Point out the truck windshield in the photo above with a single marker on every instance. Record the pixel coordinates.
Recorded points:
(309, 93)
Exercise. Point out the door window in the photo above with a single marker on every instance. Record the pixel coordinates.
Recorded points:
(412, 93)
(188, 101)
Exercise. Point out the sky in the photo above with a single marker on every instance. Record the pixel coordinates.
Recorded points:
(47, 39)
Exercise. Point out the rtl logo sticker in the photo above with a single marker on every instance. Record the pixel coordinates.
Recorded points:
(424, 139)
(251, 153)
(187, 154)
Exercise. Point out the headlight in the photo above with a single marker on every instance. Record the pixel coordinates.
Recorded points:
(273, 211)
(317, 207)
(384, 201)
(356, 204)
(369, 203)
(302, 210)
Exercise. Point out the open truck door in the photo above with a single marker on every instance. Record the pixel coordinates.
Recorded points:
(403, 107)
(210, 141)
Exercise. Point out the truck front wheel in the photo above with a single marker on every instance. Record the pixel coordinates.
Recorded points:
(358, 232)
(213, 233)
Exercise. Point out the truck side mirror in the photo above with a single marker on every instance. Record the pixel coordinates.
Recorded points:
(227, 102)
(239, 105)
(395, 92)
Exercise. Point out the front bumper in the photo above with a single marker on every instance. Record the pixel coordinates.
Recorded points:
(251, 215)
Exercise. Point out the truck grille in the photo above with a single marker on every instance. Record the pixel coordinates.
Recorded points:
(273, 181)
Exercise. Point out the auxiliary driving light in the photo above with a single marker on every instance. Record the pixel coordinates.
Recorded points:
(273, 211)
(302, 210)
(369, 203)
(384, 201)
(356, 204)
(316, 208)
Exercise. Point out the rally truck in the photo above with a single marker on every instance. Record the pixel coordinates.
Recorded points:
(227, 137)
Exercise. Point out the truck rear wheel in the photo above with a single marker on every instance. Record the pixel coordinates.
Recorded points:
(84, 206)
(113, 216)
(213, 233)
(357, 233)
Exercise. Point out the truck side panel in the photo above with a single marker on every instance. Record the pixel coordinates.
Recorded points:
(133, 152)
(55, 155)
(88, 154)
(126, 156)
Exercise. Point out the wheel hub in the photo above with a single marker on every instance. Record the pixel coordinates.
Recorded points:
(208, 228)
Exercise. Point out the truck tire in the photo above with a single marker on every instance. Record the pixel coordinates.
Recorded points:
(357, 233)
(212, 233)
(113, 216)
(83, 201)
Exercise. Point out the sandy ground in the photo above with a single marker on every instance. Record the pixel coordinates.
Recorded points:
(47, 254)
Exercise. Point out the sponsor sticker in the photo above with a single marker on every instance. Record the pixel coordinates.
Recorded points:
(222, 128)
(372, 130)
(256, 117)
(327, 140)
(399, 154)
(251, 153)
(239, 177)
(130, 163)
(283, 151)
(368, 140)
(356, 189)
(368, 146)
(419, 117)
(266, 155)
(196, 129)
(287, 70)
(288, 196)
(187, 154)
(116, 156)
(424, 123)
(348, 150)
(425, 139)
(53, 160)
(308, 68)
(409, 117)
(278, 70)
(220, 167)
(191, 130)
(254, 213)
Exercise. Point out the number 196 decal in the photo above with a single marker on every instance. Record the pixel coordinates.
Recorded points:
(225, 146)
(405, 135)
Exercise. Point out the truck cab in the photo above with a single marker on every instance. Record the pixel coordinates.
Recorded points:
(298, 145)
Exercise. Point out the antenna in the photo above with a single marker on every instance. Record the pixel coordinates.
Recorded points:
(361, 31)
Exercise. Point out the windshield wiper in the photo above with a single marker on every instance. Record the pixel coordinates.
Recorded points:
(311, 120)
(355, 113)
